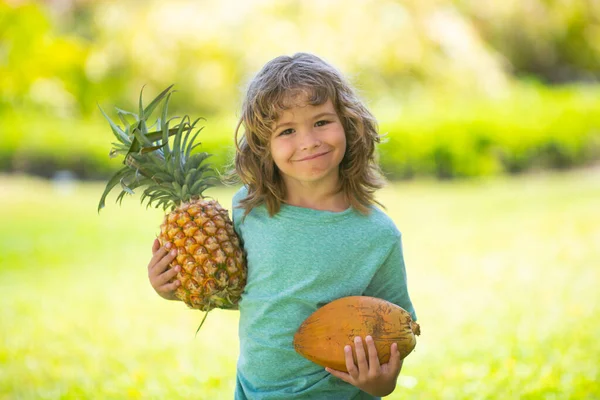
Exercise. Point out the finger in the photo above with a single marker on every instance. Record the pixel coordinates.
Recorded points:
(155, 246)
(373, 357)
(361, 358)
(158, 254)
(167, 276)
(395, 362)
(340, 374)
(162, 263)
(350, 366)
(169, 287)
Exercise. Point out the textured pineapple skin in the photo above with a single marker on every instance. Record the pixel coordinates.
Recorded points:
(213, 266)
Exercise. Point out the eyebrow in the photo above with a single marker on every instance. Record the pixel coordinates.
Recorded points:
(320, 115)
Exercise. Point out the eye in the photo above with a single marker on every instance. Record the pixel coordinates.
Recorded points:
(286, 132)
(322, 123)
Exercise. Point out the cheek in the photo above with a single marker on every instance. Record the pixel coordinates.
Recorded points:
(341, 142)
(279, 153)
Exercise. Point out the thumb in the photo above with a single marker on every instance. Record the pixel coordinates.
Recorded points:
(155, 246)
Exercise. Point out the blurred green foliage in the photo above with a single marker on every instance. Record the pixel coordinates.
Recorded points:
(533, 128)
(555, 41)
(439, 75)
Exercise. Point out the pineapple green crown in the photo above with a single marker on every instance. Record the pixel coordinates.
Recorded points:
(170, 172)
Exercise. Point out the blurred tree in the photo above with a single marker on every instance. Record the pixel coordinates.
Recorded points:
(39, 68)
(77, 53)
(555, 41)
(424, 67)
(64, 56)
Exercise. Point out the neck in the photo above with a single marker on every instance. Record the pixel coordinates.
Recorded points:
(317, 198)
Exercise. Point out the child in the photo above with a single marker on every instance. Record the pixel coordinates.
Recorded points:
(311, 230)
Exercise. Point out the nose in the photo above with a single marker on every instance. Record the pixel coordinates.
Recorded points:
(309, 140)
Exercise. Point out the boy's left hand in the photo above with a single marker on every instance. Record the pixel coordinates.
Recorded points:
(370, 376)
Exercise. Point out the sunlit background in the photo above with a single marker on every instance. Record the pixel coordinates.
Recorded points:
(491, 112)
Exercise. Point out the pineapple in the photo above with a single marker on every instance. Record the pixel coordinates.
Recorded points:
(213, 269)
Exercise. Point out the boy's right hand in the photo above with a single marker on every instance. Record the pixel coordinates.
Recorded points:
(159, 273)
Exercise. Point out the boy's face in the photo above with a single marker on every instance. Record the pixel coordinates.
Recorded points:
(308, 143)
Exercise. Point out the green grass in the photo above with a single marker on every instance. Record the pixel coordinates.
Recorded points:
(503, 273)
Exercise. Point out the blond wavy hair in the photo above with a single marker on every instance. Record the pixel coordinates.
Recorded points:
(268, 96)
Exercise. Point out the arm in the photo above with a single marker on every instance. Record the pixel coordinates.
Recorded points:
(389, 283)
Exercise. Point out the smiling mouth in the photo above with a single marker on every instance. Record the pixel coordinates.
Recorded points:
(312, 157)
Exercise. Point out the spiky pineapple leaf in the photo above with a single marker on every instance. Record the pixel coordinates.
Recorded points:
(172, 173)
(184, 145)
(140, 130)
(196, 159)
(145, 150)
(111, 184)
(164, 127)
(192, 145)
(145, 113)
(120, 197)
(141, 104)
(129, 113)
(155, 136)
(176, 152)
(118, 132)
(201, 323)
(125, 187)
(152, 137)
(162, 177)
(123, 117)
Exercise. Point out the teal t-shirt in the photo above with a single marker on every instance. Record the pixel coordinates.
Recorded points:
(299, 260)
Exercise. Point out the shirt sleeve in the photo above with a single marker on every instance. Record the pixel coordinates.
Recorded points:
(390, 282)
(237, 213)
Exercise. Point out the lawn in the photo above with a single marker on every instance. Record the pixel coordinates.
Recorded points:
(504, 274)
